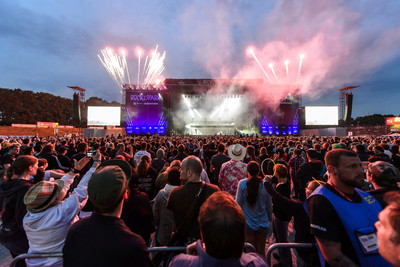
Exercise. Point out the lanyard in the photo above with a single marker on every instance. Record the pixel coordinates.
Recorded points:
(340, 192)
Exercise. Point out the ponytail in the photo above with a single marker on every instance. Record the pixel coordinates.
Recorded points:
(253, 169)
(252, 190)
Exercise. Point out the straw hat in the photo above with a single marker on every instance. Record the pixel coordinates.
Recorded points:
(237, 152)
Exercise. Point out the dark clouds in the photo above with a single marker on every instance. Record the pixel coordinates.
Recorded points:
(48, 45)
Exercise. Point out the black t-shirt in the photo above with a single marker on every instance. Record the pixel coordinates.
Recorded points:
(217, 161)
(148, 184)
(326, 224)
(137, 214)
(279, 209)
(104, 241)
(7, 159)
(181, 198)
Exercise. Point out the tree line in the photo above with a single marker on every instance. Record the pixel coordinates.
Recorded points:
(28, 107)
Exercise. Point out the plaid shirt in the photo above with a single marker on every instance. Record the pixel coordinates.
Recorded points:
(294, 164)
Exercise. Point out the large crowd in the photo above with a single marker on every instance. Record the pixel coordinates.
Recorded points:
(104, 201)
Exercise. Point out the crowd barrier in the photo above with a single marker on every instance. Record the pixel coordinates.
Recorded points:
(286, 245)
(247, 247)
(35, 256)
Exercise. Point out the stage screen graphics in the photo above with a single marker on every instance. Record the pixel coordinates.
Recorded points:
(144, 112)
(318, 115)
(103, 116)
(282, 119)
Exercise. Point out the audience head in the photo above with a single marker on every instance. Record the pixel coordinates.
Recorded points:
(43, 195)
(160, 154)
(388, 229)
(222, 226)
(221, 148)
(174, 176)
(108, 186)
(383, 174)
(82, 147)
(191, 169)
(23, 165)
(280, 170)
(312, 185)
(253, 168)
(13, 150)
(345, 168)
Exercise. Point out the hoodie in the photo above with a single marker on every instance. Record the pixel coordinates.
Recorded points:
(163, 217)
(14, 211)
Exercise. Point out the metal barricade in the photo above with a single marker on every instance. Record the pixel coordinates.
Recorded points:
(35, 256)
(167, 249)
(247, 246)
(286, 245)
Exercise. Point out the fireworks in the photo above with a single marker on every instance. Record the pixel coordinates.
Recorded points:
(251, 52)
(287, 69)
(271, 66)
(298, 72)
(117, 67)
(155, 67)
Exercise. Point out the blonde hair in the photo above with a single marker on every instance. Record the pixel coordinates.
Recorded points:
(280, 170)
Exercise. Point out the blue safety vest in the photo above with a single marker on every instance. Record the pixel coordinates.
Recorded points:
(358, 219)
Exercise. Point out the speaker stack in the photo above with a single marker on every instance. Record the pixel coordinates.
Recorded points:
(349, 107)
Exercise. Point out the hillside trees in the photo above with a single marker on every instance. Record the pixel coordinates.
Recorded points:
(27, 107)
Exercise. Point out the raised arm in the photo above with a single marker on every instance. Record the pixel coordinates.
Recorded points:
(292, 206)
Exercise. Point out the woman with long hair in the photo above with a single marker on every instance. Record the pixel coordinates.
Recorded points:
(147, 176)
(281, 216)
(256, 205)
(17, 183)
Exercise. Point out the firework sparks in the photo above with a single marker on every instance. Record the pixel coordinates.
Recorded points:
(271, 66)
(114, 66)
(301, 62)
(125, 65)
(118, 70)
(155, 67)
(251, 52)
(287, 70)
(138, 71)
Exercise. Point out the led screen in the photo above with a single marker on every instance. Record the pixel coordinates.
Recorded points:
(104, 116)
(327, 115)
(144, 112)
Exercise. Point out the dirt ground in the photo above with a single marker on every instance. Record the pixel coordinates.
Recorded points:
(41, 132)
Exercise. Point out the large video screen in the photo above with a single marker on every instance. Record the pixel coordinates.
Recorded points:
(104, 116)
(144, 112)
(318, 115)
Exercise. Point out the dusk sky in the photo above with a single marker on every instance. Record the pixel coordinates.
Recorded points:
(46, 45)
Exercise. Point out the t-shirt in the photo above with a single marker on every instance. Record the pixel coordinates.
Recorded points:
(7, 159)
(217, 161)
(280, 211)
(325, 222)
(104, 241)
(181, 198)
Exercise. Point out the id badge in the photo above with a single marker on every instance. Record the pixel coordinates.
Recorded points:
(367, 240)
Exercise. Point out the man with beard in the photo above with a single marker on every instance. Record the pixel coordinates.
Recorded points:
(342, 217)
